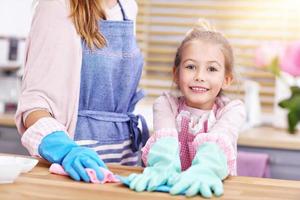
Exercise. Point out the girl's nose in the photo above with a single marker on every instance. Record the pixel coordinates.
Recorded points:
(199, 76)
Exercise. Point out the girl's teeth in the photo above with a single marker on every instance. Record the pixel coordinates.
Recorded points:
(199, 89)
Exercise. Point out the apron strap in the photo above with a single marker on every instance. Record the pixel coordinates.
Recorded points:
(125, 18)
(104, 116)
(137, 136)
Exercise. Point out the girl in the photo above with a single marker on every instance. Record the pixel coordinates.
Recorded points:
(193, 147)
(80, 83)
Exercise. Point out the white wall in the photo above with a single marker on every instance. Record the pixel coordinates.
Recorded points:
(15, 17)
(15, 20)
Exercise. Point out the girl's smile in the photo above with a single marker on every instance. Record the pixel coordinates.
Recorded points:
(201, 73)
(199, 89)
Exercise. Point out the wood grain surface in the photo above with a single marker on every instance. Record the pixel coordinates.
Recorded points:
(40, 184)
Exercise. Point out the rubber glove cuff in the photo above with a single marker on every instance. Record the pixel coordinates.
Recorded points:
(55, 146)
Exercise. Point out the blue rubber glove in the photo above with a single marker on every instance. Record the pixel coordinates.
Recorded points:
(57, 147)
(163, 164)
(208, 169)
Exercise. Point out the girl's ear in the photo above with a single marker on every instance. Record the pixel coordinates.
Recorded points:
(175, 74)
(227, 81)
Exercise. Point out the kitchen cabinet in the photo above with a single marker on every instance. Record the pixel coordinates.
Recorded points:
(10, 141)
(283, 150)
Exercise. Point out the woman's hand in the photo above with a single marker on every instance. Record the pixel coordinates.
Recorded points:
(57, 147)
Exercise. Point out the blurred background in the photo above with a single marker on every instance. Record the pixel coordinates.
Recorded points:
(14, 27)
(161, 25)
(247, 24)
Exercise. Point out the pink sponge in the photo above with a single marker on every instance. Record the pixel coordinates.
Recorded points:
(109, 177)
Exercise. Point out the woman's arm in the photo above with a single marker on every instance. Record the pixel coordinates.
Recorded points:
(51, 75)
(35, 116)
(51, 79)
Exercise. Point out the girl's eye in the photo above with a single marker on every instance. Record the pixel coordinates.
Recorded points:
(190, 67)
(212, 69)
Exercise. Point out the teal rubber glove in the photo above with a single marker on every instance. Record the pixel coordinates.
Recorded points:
(208, 169)
(163, 164)
(57, 147)
(161, 188)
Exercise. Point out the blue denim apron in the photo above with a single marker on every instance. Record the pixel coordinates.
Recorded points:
(108, 94)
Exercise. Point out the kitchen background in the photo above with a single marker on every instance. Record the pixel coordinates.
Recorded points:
(14, 27)
(161, 25)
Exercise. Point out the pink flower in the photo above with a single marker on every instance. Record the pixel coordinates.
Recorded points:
(265, 54)
(290, 59)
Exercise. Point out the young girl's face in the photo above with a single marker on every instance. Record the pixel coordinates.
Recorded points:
(201, 74)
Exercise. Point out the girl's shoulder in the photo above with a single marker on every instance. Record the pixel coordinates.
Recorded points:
(167, 97)
(225, 104)
(167, 100)
(224, 100)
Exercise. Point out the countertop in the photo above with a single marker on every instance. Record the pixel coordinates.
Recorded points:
(270, 137)
(264, 136)
(7, 120)
(40, 184)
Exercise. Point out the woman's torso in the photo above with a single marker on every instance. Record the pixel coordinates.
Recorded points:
(108, 93)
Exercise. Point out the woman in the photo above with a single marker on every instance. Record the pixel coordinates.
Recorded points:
(81, 74)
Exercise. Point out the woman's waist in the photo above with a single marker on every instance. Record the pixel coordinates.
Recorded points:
(106, 115)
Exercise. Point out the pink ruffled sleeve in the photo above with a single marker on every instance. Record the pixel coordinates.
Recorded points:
(225, 132)
(33, 136)
(165, 110)
(157, 135)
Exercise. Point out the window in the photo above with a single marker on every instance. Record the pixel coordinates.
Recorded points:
(161, 25)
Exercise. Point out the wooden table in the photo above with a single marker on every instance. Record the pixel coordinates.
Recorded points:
(40, 184)
(7, 120)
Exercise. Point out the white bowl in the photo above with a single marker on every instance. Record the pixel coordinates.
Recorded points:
(27, 164)
(9, 169)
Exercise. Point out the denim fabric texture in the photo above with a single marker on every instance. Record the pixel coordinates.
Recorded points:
(108, 94)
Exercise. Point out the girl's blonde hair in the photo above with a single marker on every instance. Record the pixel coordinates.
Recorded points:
(85, 15)
(206, 33)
